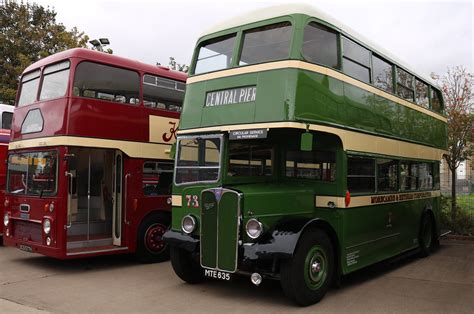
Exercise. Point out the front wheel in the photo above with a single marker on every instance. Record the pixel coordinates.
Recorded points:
(185, 266)
(426, 237)
(151, 247)
(306, 277)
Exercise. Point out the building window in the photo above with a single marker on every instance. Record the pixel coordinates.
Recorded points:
(320, 45)
(267, 43)
(405, 85)
(383, 77)
(387, 175)
(361, 175)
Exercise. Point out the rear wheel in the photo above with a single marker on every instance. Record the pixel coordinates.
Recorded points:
(150, 245)
(185, 266)
(426, 237)
(306, 277)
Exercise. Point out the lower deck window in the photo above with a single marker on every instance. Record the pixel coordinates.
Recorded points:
(250, 160)
(361, 175)
(315, 165)
(157, 178)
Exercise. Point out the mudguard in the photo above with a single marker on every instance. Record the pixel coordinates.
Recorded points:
(181, 240)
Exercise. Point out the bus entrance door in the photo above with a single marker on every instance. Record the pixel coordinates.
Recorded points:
(91, 201)
(117, 197)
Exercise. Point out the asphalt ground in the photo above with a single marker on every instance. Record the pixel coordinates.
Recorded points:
(29, 283)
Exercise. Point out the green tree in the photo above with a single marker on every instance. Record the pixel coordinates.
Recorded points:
(458, 97)
(29, 32)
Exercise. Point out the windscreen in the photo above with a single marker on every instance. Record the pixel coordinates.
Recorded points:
(198, 159)
(32, 173)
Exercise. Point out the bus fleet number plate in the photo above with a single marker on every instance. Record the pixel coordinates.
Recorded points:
(217, 274)
(25, 248)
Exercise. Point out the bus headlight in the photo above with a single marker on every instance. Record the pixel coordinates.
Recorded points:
(51, 207)
(254, 228)
(6, 220)
(46, 226)
(188, 224)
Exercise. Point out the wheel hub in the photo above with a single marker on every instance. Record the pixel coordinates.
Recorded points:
(154, 238)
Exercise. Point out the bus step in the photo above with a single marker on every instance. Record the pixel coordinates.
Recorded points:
(89, 243)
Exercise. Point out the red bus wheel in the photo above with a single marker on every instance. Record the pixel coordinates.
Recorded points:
(150, 245)
(154, 238)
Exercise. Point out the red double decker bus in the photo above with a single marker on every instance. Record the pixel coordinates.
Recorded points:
(89, 169)
(6, 113)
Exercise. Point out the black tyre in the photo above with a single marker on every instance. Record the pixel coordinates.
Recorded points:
(426, 238)
(306, 277)
(185, 266)
(150, 245)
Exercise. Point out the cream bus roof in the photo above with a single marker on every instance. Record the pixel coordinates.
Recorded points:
(287, 9)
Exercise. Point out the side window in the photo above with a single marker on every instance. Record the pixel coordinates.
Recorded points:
(387, 175)
(315, 165)
(408, 176)
(55, 80)
(7, 120)
(163, 93)
(405, 85)
(361, 175)
(425, 172)
(267, 43)
(250, 160)
(93, 80)
(157, 178)
(320, 45)
(421, 94)
(435, 100)
(382, 74)
(355, 60)
(29, 88)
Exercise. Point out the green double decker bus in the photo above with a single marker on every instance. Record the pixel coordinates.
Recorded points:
(304, 153)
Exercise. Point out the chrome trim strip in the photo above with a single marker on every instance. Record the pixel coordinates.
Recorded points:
(97, 251)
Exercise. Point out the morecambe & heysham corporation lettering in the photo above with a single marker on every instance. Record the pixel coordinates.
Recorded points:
(231, 96)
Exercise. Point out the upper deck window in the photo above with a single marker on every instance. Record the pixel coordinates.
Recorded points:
(405, 85)
(356, 60)
(435, 100)
(55, 80)
(105, 82)
(421, 94)
(266, 43)
(163, 93)
(7, 120)
(382, 74)
(320, 45)
(215, 54)
(29, 88)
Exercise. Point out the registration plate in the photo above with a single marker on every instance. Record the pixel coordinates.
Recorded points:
(25, 248)
(217, 274)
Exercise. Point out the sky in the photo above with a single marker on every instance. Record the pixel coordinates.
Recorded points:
(430, 36)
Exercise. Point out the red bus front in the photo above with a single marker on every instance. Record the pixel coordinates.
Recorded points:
(89, 171)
